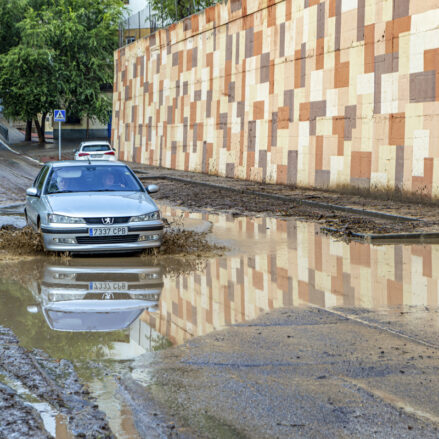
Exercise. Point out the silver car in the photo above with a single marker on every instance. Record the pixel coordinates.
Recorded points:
(91, 297)
(93, 207)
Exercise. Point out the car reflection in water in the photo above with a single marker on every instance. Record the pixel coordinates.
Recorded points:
(96, 298)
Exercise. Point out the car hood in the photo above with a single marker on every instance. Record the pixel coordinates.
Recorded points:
(98, 204)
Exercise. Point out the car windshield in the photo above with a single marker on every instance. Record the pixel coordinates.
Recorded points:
(88, 148)
(89, 178)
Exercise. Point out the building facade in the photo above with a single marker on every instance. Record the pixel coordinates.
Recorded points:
(306, 92)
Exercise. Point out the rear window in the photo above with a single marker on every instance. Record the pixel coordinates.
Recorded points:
(89, 148)
(89, 178)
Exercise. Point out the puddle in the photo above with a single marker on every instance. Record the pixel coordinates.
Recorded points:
(101, 313)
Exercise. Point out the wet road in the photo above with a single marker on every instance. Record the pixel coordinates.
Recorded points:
(290, 334)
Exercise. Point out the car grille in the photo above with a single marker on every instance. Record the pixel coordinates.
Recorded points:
(107, 277)
(116, 220)
(123, 239)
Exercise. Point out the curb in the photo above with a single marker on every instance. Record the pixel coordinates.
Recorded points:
(385, 238)
(318, 204)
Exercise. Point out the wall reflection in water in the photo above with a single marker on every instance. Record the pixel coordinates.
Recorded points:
(299, 267)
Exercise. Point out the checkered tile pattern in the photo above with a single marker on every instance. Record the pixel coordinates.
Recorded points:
(307, 92)
(306, 268)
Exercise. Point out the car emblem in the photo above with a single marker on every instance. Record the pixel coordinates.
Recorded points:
(107, 220)
(107, 296)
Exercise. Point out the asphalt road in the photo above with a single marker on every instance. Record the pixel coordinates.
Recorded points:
(302, 372)
(16, 174)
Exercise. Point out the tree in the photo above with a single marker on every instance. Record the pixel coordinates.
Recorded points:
(171, 11)
(65, 55)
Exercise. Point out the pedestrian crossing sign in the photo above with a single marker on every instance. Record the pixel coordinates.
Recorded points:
(59, 116)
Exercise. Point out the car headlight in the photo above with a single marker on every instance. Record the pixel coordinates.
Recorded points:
(147, 217)
(62, 219)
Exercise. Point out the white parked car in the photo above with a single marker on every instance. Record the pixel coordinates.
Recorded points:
(95, 150)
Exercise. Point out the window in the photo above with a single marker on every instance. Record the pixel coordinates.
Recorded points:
(129, 40)
(41, 179)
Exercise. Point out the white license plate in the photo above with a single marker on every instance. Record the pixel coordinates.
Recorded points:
(107, 231)
(96, 156)
(108, 286)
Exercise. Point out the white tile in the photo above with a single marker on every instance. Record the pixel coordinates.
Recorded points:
(365, 84)
(420, 151)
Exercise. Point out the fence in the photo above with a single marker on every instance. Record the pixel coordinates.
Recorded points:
(140, 25)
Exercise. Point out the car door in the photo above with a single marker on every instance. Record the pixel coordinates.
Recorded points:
(34, 203)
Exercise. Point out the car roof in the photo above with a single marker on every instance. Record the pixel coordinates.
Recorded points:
(95, 142)
(85, 163)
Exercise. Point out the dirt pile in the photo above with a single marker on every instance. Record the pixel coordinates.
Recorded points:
(23, 241)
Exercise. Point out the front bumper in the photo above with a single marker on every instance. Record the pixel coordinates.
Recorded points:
(140, 236)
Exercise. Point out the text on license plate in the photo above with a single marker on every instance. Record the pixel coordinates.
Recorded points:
(95, 156)
(108, 286)
(107, 231)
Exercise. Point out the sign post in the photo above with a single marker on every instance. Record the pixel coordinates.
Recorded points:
(59, 116)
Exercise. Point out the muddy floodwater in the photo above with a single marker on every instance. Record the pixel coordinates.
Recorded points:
(103, 313)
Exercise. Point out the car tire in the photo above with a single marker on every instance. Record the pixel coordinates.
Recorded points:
(28, 224)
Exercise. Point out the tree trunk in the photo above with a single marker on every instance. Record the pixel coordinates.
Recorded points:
(40, 130)
(88, 127)
(28, 135)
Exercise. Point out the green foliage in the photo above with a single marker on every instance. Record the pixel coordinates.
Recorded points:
(171, 11)
(11, 12)
(61, 55)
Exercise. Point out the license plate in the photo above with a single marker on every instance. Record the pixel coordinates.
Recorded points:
(107, 231)
(95, 156)
(108, 286)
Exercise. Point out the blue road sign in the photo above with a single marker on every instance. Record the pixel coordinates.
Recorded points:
(59, 116)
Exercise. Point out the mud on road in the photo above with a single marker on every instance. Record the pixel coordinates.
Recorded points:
(242, 203)
(38, 378)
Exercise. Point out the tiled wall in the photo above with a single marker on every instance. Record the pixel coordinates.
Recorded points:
(309, 92)
(302, 268)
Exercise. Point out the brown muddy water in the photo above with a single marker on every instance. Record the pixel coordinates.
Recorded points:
(102, 313)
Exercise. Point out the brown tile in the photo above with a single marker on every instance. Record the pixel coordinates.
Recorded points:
(341, 72)
(281, 174)
(210, 14)
(235, 5)
(283, 118)
(338, 130)
(271, 16)
(257, 43)
(361, 12)
(319, 153)
(288, 9)
(395, 293)
(332, 8)
(258, 110)
(304, 111)
(195, 23)
(397, 129)
(369, 48)
(393, 29)
(361, 164)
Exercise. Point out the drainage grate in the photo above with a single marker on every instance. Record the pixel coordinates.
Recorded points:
(107, 239)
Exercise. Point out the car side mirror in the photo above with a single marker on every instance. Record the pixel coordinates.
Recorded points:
(32, 192)
(152, 188)
(33, 309)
